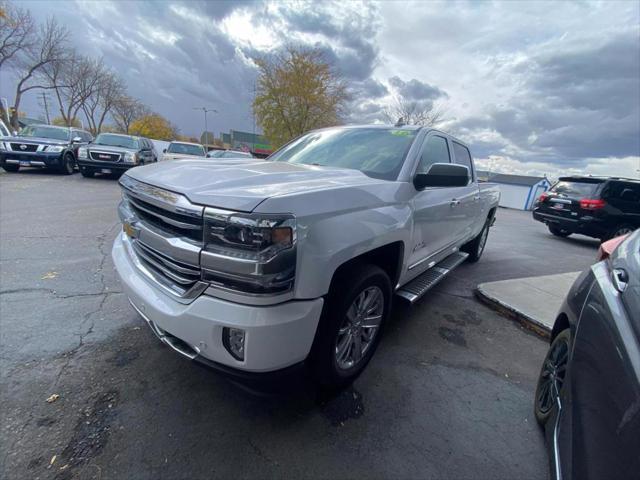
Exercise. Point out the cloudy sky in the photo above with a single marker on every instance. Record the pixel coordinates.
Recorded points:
(534, 87)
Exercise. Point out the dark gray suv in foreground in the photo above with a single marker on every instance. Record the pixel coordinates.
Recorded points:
(588, 393)
(115, 153)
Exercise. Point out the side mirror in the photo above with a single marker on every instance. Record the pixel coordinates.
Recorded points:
(76, 140)
(164, 151)
(442, 175)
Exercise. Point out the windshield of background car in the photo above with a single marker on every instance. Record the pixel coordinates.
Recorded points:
(235, 155)
(43, 131)
(186, 149)
(376, 152)
(215, 154)
(575, 189)
(116, 141)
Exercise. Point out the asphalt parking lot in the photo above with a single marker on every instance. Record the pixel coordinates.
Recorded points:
(447, 395)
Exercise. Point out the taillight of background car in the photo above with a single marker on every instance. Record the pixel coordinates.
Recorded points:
(589, 204)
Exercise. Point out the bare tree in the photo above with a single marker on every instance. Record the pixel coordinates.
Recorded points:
(49, 47)
(17, 32)
(73, 80)
(126, 110)
(413, 112)
(108, 90)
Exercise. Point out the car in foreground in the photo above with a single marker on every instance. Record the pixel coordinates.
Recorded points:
(183, 150)
(600, 207)
(228, 154)
(114, 153)
(253, 267)
(588, 392)
(43, 146)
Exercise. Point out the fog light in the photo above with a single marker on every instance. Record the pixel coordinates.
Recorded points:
(233, 341)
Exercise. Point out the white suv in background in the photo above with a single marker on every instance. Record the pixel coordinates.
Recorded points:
(183, 150)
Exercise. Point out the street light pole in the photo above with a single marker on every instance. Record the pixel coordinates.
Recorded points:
(206, 110)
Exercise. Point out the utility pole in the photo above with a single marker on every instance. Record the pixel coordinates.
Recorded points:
(206, 110)
(46, 107)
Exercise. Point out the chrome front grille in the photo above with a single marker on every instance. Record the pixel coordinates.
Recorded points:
(105, 156)
(181, 277)
(165, 237)
(164, 220)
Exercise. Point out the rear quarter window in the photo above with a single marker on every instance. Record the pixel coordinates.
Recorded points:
(575, 189)
(463, 157)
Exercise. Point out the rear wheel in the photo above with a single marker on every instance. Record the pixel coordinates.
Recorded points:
(11, 168)
(552, 375)
(620, 230)
(351, 325)
(475, 247)
(558, 232)
(68, 164)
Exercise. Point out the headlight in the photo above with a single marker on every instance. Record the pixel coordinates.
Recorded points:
(82, 152)
(55, 148)
(130, 157)
(253, 253)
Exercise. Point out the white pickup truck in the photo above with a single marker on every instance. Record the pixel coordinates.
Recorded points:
(255, 267)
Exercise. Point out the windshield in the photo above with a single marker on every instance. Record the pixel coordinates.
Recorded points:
(186, 149)
(44, 131)
(575, 189)
(377, 152)
(215, 154)
(112, 140)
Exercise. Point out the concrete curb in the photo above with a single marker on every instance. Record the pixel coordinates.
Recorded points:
(508, 311)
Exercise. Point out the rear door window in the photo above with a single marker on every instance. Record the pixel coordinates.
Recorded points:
(463, 157)
(434, 150)
(575, 189)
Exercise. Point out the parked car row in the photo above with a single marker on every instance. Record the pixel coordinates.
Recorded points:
(63, 149)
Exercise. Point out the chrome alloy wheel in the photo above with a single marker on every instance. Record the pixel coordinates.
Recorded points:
(552, 376)
(359, 328)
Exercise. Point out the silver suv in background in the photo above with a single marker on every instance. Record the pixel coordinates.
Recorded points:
(228, 154)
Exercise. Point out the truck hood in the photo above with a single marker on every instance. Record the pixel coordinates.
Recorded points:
(38, 140)
(242, 184)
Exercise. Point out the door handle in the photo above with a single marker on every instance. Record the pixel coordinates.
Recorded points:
(454, 202)
(620, 279)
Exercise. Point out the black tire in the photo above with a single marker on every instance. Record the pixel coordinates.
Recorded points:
(552, 376)
(558, 232)
(344, 293)
(619, 230)
(68, 164)
(11, 168)
(475, 247)
(87, 172)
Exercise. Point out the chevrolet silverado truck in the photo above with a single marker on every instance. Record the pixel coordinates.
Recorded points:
(255, 267)
(114, 153)
(43, 146)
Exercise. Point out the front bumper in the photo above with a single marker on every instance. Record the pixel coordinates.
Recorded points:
(590, 226)
(31, 159)
(277, 336)
(99, 165)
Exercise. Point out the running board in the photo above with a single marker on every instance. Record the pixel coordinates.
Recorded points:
(416, 288)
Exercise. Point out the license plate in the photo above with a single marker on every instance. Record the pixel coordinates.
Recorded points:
(25, 163)
(558, 206)
(106, 170)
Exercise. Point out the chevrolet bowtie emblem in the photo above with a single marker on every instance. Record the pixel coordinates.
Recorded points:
(23, 147)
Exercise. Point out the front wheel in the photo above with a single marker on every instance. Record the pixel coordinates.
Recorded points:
(351, 325)
(68, 164)
(87, 172)
(552, 376)
(11, 168)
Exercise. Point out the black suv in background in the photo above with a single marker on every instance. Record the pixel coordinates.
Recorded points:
(600, 207)
(43, 146)
(115, 153)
